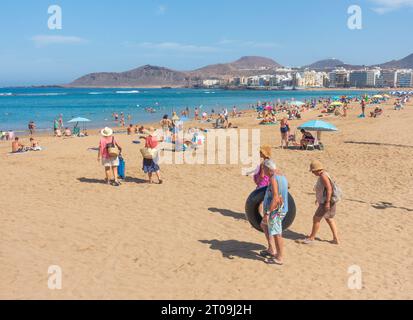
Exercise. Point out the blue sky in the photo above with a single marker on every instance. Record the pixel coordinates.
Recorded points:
(120, 35)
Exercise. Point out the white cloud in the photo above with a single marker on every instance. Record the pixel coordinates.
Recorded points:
(162, 9)
(385, 6)
(249, 44)
(45, 40)
(174, 46)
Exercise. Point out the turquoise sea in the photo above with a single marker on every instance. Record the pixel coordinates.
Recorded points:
(18, 106)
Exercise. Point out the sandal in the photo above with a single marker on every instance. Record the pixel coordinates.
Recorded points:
(274, 260)
(266, 254)
(306, 241)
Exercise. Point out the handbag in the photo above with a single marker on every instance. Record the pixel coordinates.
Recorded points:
(112, 149)
(121, 168)
(149, 153)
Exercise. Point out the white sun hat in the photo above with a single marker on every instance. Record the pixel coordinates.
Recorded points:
(107, 132)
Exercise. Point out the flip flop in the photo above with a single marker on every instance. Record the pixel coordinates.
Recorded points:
(307, 241)
(274, 260)
(266, 254)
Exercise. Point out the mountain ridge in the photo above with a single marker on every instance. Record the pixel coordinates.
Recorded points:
(156, 76)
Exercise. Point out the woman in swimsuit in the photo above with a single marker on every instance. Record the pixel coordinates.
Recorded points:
(284, 128)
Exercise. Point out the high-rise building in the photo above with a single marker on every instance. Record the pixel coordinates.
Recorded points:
(387, 79)
(363, 79)
(339, 78)
(404, 78)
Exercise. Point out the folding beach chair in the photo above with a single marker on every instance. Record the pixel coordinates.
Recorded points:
(76, 131)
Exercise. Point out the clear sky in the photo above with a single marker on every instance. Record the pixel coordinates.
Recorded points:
(109, 35)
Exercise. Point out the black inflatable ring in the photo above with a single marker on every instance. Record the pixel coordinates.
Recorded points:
(254, 216)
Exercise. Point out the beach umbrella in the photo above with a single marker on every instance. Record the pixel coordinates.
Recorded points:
(318, 125)
(268, 108)
(378, 96)
(79, 119)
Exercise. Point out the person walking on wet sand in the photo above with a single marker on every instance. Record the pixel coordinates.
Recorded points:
(326, 205)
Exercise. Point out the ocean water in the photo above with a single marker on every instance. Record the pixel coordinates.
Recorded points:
(18, 106)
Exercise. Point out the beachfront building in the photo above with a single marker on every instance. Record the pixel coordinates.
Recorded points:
(339, 78)
(313, 79)
(387, 79)
(236, 81)
(404, 78)
(363, 79)
(211, 82)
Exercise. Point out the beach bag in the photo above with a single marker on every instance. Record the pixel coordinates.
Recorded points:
(112, 149)
(337, 192)
(149, 153)
(121, 168)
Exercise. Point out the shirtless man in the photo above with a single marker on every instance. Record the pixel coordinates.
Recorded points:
(16, 146)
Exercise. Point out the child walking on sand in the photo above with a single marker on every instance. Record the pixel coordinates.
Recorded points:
(326, 206)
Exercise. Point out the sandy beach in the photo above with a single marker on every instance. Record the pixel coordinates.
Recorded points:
(189, 239)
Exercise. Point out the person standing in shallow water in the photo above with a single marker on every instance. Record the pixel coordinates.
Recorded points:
(326, 207)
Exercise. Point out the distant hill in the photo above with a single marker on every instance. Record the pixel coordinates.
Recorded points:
(145, 76)
(325, 64)
(153, 76)
(246, 66)
(254, 63)
(405, 63)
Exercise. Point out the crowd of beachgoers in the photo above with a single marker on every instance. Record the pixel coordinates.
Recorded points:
(172, 130)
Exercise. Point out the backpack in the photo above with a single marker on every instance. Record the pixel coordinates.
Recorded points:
(337, 192)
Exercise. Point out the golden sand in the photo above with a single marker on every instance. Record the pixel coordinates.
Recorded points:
(188, 238)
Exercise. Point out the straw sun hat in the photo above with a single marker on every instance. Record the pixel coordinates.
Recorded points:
(266, 151)
(107, 132)
(316, 166)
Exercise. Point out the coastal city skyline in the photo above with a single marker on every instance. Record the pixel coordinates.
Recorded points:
(108, 37)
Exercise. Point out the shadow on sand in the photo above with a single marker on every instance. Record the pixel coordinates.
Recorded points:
(378, 144)
(234, 248)
(229, 213)
(102, 181)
